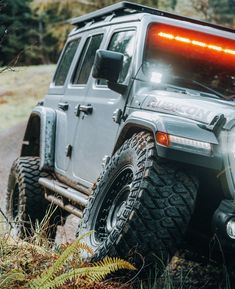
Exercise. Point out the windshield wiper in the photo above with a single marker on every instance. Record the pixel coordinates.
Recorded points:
(167, 86)
(200, 84)
(210, 91)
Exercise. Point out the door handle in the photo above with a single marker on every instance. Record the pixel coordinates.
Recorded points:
(86, 108)
(63, 105)
(83, 108)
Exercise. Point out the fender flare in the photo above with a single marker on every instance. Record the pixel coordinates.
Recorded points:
(178, 126)
(39, 138)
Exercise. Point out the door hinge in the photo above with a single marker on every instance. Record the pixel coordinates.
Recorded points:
(63, 106)
(117, 115)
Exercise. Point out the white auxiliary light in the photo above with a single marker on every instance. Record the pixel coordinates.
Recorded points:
(190, 145)
(156, 77)
(230, 228)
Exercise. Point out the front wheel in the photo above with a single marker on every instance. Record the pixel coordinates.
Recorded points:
(140, 203)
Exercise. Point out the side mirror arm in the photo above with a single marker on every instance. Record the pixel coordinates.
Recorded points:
(119, 88)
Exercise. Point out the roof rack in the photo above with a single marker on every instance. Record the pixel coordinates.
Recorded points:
(128, 8)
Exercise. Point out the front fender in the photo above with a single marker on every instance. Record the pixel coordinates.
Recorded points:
(178, 126)
(40, 132)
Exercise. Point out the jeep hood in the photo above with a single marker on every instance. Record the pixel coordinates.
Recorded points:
(191, 106)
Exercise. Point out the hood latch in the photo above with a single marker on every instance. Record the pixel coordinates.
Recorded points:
(216, 124)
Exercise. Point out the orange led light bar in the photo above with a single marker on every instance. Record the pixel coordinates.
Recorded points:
(195, 42)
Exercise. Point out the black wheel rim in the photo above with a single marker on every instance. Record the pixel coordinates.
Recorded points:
(112, 205)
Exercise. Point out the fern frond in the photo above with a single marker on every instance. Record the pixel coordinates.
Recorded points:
(110, 265)
(72, 275)
(114, 263)
(95, 273)
(50, 273)
(85, 247)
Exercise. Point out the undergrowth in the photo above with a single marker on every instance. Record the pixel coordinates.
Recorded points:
(35, 263)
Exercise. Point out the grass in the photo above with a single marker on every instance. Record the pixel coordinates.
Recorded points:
(36, 262)
(20, 90)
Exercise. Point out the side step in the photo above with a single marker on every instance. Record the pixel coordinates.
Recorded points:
(63, 196)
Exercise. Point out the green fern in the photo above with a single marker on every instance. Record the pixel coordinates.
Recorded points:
(53, 278)
(51, 272)
(95, 273)
(110, 264)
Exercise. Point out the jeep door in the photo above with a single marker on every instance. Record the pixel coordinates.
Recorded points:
(68, 118)
(96, 130)
(55, 99)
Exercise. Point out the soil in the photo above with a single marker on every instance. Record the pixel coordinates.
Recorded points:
(10, 145)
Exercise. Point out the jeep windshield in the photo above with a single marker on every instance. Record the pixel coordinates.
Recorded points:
(190, 59)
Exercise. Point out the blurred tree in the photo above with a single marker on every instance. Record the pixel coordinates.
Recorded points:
(53, 27)
(224, 12)
(15, 23)
(193, 8)
(168, 5)
(53, 14)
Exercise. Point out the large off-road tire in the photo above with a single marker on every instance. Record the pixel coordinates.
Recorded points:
(25, 202)
(140, 203)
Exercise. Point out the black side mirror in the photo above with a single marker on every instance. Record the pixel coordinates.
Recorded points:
(107, 65)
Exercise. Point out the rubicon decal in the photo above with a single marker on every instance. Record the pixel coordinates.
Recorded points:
(192, 112)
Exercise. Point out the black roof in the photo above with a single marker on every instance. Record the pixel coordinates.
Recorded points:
(128, 8)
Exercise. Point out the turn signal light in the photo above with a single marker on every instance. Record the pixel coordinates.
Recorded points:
(163, 138)
(183, 144)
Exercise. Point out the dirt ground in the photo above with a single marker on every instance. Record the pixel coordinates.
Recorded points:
(10, 144)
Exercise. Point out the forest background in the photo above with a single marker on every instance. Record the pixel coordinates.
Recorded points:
(34, 31)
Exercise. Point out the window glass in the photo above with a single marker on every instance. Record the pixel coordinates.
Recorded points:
(86, 60)
(123, 42)
(65, 62)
